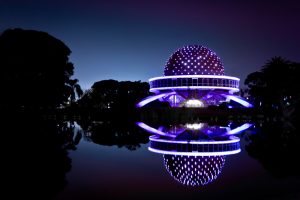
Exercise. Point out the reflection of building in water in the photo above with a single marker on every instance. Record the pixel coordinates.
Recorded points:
(200, 147)
(194, 153)
(194, 77)
(195, 162)
(195, 130)
(194, 170)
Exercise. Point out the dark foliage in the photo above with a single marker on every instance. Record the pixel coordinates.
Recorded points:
(35, 70)
(275, 88)
(275, 85)
(114, 95)
(121, 133)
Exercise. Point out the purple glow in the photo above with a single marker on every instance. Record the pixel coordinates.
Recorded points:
(181, 130)
(219, 153)
(194, 76)
(194, 87)
(239, 100)
(190, 72)
(152, 98)
(239, 129)
(194, 170)
(194, 59)
(232, 140)
(153, 130)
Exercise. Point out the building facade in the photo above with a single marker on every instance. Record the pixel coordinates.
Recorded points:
(194, 77)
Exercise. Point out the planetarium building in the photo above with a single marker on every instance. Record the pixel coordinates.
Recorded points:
(194, 77)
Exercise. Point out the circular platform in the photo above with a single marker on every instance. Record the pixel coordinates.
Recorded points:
(225, 146)
(194, 82)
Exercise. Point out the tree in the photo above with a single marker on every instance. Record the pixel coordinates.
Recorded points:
(35, 70)
(275, 85)
(114, 95)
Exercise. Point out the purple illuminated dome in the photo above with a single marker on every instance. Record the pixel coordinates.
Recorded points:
(194, 170)
(194, 60)
(194, 77)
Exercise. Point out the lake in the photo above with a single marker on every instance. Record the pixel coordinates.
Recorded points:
(52, 159)
(116, 172)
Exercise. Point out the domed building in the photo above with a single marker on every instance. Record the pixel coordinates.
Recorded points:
(194, 77)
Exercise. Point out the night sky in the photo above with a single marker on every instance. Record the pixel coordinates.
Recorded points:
(132, 40)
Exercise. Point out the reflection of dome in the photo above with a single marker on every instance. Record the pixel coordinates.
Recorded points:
(194, 170)
(194, 154)
(194, 60)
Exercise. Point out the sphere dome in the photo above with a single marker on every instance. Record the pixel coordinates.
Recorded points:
(194, 170)
(194, 60)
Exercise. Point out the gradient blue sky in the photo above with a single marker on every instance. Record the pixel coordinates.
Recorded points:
(132, 40)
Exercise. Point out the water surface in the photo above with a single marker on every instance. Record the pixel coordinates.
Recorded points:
(116, 172)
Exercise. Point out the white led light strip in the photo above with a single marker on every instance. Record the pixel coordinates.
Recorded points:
(195, 76)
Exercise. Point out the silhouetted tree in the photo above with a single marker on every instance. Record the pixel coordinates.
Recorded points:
(114, 95)
(275, 85)
(35, 70)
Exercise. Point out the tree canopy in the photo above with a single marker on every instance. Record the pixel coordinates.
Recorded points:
(35, 70)
(275, 85)
(114, 95)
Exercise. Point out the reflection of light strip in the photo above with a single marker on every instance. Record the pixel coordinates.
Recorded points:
(194, 87)
(240, 101)
(153, 130)
(232, 139)
(152, 98)
(195, 76)
(239, 129)
(194, 126)
(219, 153)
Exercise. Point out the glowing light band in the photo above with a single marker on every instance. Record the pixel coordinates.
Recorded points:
(191, 126)
(239, 100)
(219, 153)
(194, 76)
(239, 129)
(194, 87)
(152, 98)
(231, 140)
(153, 130)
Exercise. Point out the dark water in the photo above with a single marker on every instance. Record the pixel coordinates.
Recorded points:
(111, 172)
(100, 160)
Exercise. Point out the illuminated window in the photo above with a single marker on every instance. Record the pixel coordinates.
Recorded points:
(193, 103)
